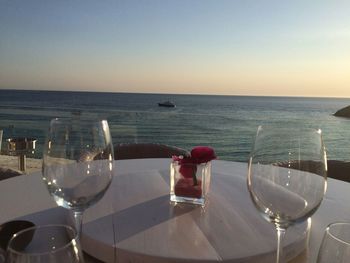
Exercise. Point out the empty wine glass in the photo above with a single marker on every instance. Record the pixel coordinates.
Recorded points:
(335, 245)
(78, 163)
(287, 176)
(50, 243)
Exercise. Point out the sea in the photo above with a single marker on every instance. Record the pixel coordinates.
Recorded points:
(226, 123)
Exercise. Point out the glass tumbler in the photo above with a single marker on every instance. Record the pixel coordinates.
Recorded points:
(335, 245)
(49, 243)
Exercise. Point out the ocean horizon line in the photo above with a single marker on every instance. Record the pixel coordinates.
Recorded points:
(172, 94)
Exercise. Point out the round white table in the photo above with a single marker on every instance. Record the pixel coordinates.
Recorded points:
(135, 222)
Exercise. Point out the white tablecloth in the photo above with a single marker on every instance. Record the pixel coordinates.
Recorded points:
(149, 229)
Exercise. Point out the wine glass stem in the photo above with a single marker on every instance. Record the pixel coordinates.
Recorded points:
(78, 221)
(280, 237)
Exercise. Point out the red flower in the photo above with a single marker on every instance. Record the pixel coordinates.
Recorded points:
(199, 154)
(188, 164)
(202, 154)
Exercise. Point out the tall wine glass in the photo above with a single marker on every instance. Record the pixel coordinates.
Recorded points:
(78, 163)
(50, 243)
(287, 176)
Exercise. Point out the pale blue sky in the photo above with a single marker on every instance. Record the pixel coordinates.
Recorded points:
(294, 48)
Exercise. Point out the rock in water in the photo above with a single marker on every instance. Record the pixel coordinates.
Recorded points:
(344, 112)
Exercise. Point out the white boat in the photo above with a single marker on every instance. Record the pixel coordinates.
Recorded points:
(167, 103)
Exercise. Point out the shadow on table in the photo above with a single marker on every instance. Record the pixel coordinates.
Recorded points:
(140, 217)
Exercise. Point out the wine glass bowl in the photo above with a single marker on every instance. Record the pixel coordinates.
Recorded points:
(77, 185)
(78, 163)
(287, 175)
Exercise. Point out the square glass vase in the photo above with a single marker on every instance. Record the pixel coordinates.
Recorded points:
(189, 183)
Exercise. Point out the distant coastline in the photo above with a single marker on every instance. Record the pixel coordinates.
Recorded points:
(343, 112)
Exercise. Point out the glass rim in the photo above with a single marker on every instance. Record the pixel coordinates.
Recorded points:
(176, 162)
(72, 119)
(72, 240)
(335, 237)
(279, 127)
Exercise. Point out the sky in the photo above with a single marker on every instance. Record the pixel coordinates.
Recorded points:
(235, 47)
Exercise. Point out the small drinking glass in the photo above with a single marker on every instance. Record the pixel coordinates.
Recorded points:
(78, 163)
(335, 246)
(287, 176)
(50, 243)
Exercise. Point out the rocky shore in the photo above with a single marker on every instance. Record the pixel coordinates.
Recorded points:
(344, 112)
(11, 162)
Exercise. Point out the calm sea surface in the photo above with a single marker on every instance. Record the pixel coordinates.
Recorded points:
(227, 123)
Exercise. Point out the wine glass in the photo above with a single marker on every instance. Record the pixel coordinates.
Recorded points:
(50, 243)
(287, 176)
(78, 163)
(335, 245)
